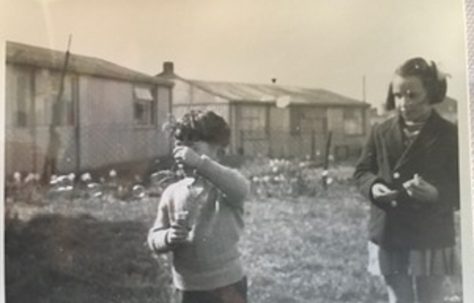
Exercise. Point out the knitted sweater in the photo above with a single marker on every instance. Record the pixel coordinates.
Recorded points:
(213, 208)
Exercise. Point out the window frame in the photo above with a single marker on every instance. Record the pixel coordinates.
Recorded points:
(360, 130)
(251, 125)
(303, 116)
(147, 104)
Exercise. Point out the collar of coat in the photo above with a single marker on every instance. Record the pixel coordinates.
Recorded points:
(392, 135)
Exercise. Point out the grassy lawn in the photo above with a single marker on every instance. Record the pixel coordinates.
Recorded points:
(309, 249)
(306, 249)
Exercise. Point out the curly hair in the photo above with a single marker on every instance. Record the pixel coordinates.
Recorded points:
(433, 81)
(202, 126)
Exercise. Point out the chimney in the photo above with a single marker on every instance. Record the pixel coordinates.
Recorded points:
(168, 68)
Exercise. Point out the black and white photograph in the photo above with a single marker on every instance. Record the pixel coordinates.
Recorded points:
(218, 151)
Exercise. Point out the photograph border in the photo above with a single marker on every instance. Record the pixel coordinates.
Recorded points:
(466, 150)
(467, 156)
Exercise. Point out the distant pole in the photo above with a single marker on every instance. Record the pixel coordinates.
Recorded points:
(50, 165)
(77, 126)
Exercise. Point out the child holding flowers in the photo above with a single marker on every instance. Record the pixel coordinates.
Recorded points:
(200, 218)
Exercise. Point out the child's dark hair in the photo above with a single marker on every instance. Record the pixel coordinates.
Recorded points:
(433, 81)
(202, 126)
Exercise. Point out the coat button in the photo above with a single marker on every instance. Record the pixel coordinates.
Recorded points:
(396, 175)
(393, 203)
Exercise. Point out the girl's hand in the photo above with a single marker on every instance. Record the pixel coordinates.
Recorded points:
(176, 234)
(187, 156)
(381, 193)
(421, 190)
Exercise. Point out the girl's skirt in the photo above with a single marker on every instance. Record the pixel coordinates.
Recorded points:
(427, 262)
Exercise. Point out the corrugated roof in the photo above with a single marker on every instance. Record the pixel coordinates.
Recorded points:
(245, 92)
(19, 53)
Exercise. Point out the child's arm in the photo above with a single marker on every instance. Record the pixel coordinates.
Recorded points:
(230, 181)
(157, 235)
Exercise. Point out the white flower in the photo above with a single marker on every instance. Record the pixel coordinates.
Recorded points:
(86, 177)
(138, 191)
(30, 177)
(17, 176)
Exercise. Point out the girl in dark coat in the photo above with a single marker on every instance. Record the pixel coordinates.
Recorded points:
(409, 172)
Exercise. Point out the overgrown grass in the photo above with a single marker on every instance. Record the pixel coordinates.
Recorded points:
(305, 249)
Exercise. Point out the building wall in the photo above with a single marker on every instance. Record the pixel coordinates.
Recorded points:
(344, 144)
(181, 92)
(336, 120)
(19, 140)
(164, 109)
(30, 93)
(310, 125)
(252, 129)
(106, 128)
(302, 131)
(279, 125)
(108, 131)
(277, 137)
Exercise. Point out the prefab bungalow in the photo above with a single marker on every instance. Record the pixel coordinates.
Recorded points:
(107, 114)
(277, 120)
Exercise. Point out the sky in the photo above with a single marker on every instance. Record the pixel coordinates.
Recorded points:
(328, 44)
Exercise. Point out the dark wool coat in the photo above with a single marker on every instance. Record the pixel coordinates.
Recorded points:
(434, 156)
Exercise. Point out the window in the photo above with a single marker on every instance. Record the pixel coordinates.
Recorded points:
(253, 117)
(253, 120)
(144, 106)
(353, 121)
(306, 120)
